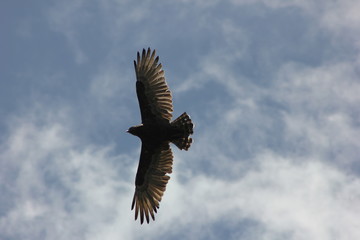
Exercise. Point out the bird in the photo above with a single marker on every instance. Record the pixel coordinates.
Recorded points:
(156, 132)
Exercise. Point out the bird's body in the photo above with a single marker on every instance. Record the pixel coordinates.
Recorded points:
(156, 132)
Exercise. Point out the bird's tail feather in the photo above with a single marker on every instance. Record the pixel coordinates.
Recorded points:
(185, 125)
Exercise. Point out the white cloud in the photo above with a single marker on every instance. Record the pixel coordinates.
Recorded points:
(60, 189)
(303, 200)
(321, 113)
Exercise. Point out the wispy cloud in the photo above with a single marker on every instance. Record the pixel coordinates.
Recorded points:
(57, 185)
(289, 199)
(65, 17)
(66, 191)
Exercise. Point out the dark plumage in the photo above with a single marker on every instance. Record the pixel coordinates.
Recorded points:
(156, 132)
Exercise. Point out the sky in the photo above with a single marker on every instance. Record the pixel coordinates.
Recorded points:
(273, 88)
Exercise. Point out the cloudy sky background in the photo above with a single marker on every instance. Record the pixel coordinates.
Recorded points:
(272, 86)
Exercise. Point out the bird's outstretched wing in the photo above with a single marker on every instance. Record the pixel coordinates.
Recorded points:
(152, 91)
(151, 179)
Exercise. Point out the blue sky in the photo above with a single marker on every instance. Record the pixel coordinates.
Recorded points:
(272, 87)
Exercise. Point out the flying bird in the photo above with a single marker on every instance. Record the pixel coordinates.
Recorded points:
(156, 132)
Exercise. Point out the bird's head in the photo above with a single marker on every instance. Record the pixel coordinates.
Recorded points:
(134, 130)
